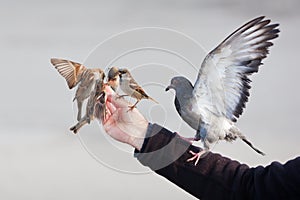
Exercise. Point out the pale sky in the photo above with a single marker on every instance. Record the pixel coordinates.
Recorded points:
(41, 159)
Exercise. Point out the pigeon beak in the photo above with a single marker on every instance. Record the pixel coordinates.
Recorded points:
(169, 87)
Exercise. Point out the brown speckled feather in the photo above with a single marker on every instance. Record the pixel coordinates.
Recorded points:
(70, 70)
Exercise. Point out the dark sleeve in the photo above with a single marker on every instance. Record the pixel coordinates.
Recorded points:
(216, 177)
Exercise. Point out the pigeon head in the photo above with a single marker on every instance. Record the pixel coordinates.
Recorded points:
(180, 83)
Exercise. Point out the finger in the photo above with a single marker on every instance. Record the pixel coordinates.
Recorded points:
(118, 102)
(109, 97)
(109, 90)
(108, 123)
(107, 116)
(110, 107)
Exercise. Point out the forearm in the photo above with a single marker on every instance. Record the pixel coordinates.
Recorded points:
(166, 153)
(216, 177)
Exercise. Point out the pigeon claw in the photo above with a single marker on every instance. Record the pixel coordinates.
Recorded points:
(196, 156)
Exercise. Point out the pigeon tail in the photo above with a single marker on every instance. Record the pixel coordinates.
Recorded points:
(250, 144)
(235, 132)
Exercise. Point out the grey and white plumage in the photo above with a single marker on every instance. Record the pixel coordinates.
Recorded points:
(113, 78)
(218, 97)
(131, 88)
(76, 73)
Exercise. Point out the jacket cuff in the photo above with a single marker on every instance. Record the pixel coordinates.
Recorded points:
(161, 147)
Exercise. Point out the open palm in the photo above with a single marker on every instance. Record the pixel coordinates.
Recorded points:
(122, 124)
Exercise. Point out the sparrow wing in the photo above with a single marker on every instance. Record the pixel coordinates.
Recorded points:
(70, 70)
(86, 86)
(133, 85)
(100, 107)
(88, 83)
(222, 86)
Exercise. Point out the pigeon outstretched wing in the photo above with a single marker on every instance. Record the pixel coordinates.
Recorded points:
(222, 86)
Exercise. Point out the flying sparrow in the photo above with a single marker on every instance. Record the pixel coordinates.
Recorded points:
(218, 97)
(130, 87)
(95, 106)
(76, 73)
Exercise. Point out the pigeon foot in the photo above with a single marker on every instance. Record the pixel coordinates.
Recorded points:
(196, 156)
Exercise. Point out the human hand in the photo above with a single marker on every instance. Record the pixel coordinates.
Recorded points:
(122, 124)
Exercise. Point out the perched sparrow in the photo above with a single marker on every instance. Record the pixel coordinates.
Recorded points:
(95, 106)
(113, 78)
(214, 103)
(130, 87)
(75, 73)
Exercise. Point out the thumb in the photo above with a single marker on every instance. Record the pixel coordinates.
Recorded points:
(117, 102)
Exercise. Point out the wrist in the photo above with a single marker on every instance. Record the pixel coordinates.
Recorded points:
(137, 140)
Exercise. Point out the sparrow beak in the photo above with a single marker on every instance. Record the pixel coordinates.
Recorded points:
(121, 71)
(119, 74)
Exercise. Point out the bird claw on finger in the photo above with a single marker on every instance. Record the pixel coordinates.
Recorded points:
(130, 108)
(196, 156)
(120, 96)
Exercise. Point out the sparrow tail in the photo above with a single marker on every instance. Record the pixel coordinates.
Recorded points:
(150, 98)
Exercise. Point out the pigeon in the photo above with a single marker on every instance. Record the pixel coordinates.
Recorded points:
(95, 106)
(130, 87)
(76, 73)
(214, 103)
(113, 78)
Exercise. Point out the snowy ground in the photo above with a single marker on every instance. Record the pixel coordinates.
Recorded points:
(41, 159)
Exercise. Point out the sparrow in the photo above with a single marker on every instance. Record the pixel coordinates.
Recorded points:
(95, 106)
(214, 103)
(130, 87)
(76, 73)
(113, 78)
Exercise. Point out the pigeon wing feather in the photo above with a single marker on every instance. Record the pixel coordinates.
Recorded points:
(222, 86)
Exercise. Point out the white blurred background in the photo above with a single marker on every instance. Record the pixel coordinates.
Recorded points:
(41, 159)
